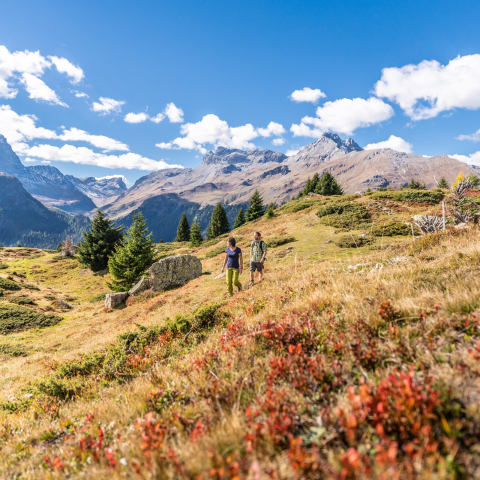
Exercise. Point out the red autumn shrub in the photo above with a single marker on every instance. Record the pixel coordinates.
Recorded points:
(387, 311)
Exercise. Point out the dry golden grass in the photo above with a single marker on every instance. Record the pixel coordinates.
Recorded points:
(215, 382)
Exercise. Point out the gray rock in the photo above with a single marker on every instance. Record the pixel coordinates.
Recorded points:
(174, 271)
(64, 304)
(141, 286)
(112, 300)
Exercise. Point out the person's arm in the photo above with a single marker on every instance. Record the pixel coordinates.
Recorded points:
(224, 263)
(241, 261)
(264, 252)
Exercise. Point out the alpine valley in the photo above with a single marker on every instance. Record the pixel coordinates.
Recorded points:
(39, 205)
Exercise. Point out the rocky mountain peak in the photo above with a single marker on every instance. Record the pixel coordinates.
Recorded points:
(9, 161)
(242, 158)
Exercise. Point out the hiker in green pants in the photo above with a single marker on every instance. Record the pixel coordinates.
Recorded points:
(234, 263)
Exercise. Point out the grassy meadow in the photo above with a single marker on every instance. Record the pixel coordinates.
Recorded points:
(357, 357)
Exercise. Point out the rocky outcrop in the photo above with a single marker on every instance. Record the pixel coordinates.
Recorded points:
(113, 300)
(141, 286)
(174, 272)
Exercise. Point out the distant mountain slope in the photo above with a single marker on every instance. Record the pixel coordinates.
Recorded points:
(51, 187)
(24, 219)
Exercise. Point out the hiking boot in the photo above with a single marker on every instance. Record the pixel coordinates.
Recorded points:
(239, 289)
(251, 284)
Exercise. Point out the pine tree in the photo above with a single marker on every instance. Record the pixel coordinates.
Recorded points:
(99, 243)
(256, 208)
(327, 185)
(442, 183)
(219, 224)
(460, 178)
(308, 187)
(67, 248)
(315, 180)
(474, 179)
(240, 220)
(271, 211)
(183, 230)
(133, 256)
(196, 238)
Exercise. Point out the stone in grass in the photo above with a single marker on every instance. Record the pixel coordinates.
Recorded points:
(174, 271)
(141, 286)
(64, 304)
(113, 300)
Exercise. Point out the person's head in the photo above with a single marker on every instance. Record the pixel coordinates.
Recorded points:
(231, 242)
(257, 236)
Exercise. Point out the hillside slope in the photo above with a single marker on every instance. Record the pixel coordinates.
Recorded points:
(343, 363)
(25, 220)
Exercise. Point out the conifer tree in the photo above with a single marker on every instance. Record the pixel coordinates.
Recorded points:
(240, 220)
(474, 179)
(271, 211)
(328, 185)
(308, 187)
(196, 238)
(219, 223)
(442, 183)
(183, 230)
(99, 243)
(67, 248)
(133, 256)
(315, 180)
(256, 208)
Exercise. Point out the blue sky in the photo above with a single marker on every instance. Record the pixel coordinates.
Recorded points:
(224, 73)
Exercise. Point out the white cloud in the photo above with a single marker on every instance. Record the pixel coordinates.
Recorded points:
(307, 95)
(441, 87)
(64, 66)
(472, 159)
(278, 141)
(395, 143)
(99, 141)
(474, 137)
(272, 129)
(107, 177)
(30, 160)
(289, 153)
(86, 156)
(29, 67)
(20, 128)
(39, 90)
(344, 116)
(157, 118)
(136, 117)
(165, 146)
(107, 105)
(174, 114)
(79, 94)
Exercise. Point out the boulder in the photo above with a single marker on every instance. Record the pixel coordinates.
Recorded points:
(174, 272)
(141, 286)
(112, 300)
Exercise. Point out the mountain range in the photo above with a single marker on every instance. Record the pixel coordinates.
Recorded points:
(229, 176)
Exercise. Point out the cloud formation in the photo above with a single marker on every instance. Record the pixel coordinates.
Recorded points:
(307, 95)
(136, 117)
(27, 68)
(211, 130)
(474, 137)
(343, 116)
(472, 159)
(107, 177)
(393, 142)
(107, 105)
(174, 114)
(278, 141)
(100, 141)
(429, 88)
(86, 156)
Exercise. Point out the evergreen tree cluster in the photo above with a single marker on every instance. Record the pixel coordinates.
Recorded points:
(219, 224)
(324, 185)
(442, 183)
(416, 185)
(255, 209)
(99, 243)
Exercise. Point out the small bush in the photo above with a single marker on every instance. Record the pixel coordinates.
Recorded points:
(351, 241)
(85, 366)
(13, 350)
(277, 241)
(94, 298)
(349, 215)
(58, 388)
(3, 266)
(215, 252)
(298, 205)
(393, 229)
(419, 196)
(9, 284)
(21, 300)
(18, 318)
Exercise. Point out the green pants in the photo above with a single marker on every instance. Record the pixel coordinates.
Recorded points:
(232, 279)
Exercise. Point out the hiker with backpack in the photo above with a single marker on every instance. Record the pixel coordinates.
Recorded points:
(258, 253)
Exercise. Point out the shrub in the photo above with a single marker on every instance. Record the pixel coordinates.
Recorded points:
(419, 196)
(351, 241)
(3, 266)
(18, 318)
(9, 284)
(85, 366)
(296, 206)
(393, 229)
(13, 350)
(21, 300)
(58, 388)
(277, 241)
(94, 298)
(348, 215)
